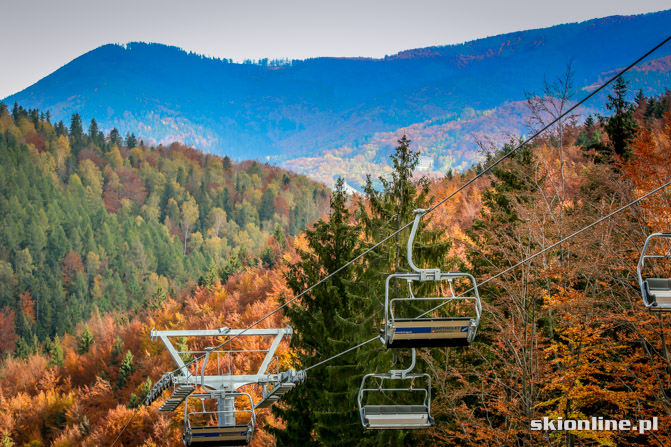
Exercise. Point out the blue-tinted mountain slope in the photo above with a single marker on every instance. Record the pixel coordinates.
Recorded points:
(248, 110)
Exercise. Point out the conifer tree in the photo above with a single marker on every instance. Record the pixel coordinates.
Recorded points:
(621, 127)
(76, 133)
(389, 209)
(93, 129)
(279, 236)
(131, 140)
(85, 341)
(210, 277)
(326, 323)
(344, 311)
(125, 370)
(116, 350)
(266, 209)
(6, 440)
(56, 353)
(115, 138)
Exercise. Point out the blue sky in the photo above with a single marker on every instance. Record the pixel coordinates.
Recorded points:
(38, 37)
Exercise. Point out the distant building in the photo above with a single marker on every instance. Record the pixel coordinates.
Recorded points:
(350, 190)
(425, 163)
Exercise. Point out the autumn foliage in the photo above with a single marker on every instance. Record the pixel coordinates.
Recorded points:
(78, 402)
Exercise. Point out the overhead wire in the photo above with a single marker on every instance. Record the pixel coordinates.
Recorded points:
(530, 258)
(550, 247)
(445, 199)
(342, 353)
(485, 171)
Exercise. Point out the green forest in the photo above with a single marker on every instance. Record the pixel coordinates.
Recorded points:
(93, 221)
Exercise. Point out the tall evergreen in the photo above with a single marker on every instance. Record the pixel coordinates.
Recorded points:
(95, 134)
(115, 137)
(131, 140)
(348, 308)
(93, 129)
(621, 126)
(85, 341)
(389, 208)
(266, 209)
(326, 323)
(76, 133)
(125, 370)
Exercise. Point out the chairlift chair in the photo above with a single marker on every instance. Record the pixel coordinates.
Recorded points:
(274, 391)
(226, 431)
(416, 415)
(656, 292)
(426, 331)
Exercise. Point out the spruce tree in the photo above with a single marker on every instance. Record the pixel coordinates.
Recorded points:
(131, 140)
(115, 138)
(56, 357)
(6, 440)
(267, 209)
(85, 340)
(116, 350)
(60, 129)
(349, 308)
(326, 323)
(93, 130)
(388, 210)
(76, 134)
(621, 126)
(125, 370)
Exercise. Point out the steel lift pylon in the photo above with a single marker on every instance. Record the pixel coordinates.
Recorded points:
(233, 426)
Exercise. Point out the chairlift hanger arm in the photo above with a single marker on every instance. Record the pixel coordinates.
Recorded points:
(419, 213)
(271, 353)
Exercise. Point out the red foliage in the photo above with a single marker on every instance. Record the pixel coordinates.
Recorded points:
(37, 140)
(249, 286)
(132, 186)
(27, 305)
(187, 152)
(22, 376)
(71, 265)
(7, 334)
(152, 159)
(111, 198)
(281, 206)
(93, 155)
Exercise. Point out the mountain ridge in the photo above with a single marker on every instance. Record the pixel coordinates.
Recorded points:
(282, 113)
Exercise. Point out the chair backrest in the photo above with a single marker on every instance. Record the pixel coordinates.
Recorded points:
(658, 283)
(436, 304)
(410, 404)
(651, 284)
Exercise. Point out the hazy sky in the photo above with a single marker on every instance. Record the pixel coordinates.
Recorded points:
(37, 37)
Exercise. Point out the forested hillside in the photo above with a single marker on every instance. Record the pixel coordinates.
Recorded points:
(356, 107)
(94, 222)
(563, 335)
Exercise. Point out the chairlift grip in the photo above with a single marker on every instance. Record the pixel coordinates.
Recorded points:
(424, 273)
(401, 373)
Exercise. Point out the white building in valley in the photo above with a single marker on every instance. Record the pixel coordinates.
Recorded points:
(425, 163)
